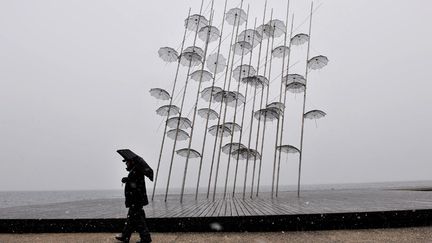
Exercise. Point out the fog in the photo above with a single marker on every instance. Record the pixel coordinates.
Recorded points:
(75, 76)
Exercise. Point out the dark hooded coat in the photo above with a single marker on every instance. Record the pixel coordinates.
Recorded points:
(135, 189)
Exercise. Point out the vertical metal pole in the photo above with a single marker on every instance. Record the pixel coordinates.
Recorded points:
(196, 104)
(171, 101)
(220, 110)
(181, 109)
(280, 100)
(252, 113)
(264, 125)
(284, 103)
(222, 103)
(210, 102)
(244, 109)
(304, 103)
(235, 115)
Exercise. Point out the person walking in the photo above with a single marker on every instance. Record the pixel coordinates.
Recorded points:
(135, 196)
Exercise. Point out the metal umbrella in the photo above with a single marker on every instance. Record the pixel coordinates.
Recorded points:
(296, 87)
(168, 54)
(246, 153)
(299, 39)
(208, 113)
(209, 92)
(182, 122)
(314, 114)
(201, 75)
(278, 27)
(196, 22)
(195, 49)
(232, 147)
(243, 71)
(236, 16)
(190, 59)
(242, 48)
(216, 63)
(291, 78)
(289, 149)
(190, 153)
(168, 110)
(160, 94)
(228, 97)
(317, 62)
(256, 81)
(266, 30)
(266, 114)
(210, 32)
(251, 36)
(219, 130)
(232, 126)
(181, 135)
(280, 51)
(277, 105)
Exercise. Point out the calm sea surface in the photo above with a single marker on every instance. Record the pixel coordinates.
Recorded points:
(25, 198)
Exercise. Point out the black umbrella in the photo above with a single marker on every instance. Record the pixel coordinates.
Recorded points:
(128, 155)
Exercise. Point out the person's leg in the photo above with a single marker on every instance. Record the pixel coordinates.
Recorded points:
(142, 227)
(129, 225)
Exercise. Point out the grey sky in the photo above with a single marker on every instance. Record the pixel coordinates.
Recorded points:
(75, 75)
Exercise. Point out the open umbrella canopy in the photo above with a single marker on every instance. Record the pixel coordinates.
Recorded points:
(160, 94)
(179, 122)
(256, 81)
(280, 51)
(216, 63)
(233, 126)
(292, 77)
(277, 105)
(191, 153)
(229, 97)
(267, 114)
(251, 36)
(190, 59)
(246, 153)
(195, 49)
(219, 130)
(207, 113)
(236, 16)
(289, 149)
(299, 39)
(242, 48)
(168, 54)
(266, 31)
(232, 147)
(296, 87)
(315, 114)
(317, 62)
(168, 110)
(195, 22)
(278, 27)
(201, 75)
(210, 32)
(181, 135)
(243, 71)
(210, 91)
(141, 165)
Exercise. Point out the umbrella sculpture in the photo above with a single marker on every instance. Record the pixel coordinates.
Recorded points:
(168, 54)
(223, 100)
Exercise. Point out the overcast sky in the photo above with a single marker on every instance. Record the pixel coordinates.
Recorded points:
(75, 76)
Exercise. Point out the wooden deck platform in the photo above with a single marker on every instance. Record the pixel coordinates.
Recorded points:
(287, 203)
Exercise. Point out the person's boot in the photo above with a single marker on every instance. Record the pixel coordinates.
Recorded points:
(122, 238)
(145, 238)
